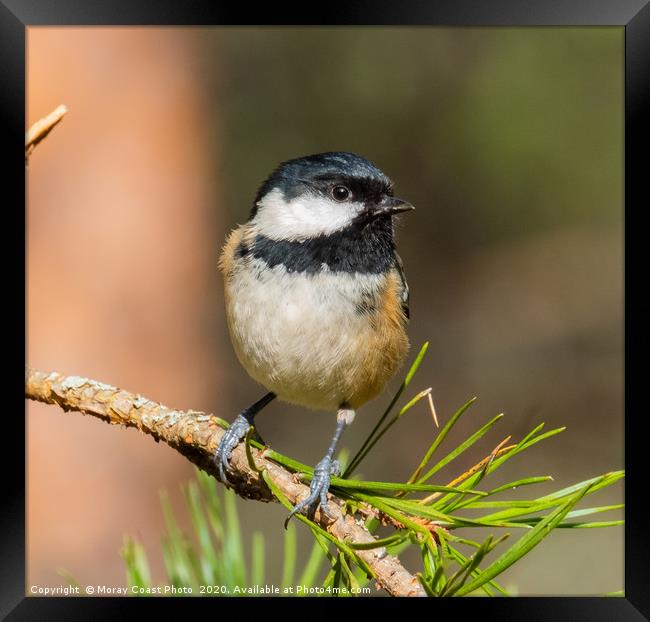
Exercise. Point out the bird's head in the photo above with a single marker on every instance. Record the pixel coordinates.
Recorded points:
(323, 193)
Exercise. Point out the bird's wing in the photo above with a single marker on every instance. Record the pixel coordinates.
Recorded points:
(405, 287)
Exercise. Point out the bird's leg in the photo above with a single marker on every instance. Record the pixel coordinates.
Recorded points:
(327, 467)
(236, 432)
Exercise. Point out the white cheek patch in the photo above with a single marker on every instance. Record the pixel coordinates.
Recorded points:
(303, 217)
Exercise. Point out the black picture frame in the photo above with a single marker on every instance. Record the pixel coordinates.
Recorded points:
(633, 15)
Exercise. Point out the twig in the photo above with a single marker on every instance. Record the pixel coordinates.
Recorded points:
(196, 436)
(41, 129)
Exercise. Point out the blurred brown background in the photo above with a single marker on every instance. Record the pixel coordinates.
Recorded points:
(508, 141)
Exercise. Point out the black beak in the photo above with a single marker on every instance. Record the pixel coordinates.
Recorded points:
(391, 205)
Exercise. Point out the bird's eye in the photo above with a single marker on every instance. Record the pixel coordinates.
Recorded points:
(340, 193)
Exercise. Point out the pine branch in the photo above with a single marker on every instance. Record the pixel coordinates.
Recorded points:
(196, 435)
(42, 128)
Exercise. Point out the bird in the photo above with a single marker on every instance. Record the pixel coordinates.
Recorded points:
(316, 298)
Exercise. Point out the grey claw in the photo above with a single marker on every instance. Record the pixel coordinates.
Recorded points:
(231, 438)
(318, 488)
(222, 470)
(324, 507)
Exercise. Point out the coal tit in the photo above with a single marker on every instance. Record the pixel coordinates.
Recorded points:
(316, 298)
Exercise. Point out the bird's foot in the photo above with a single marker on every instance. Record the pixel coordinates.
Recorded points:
(231, 438)
(318, 488)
